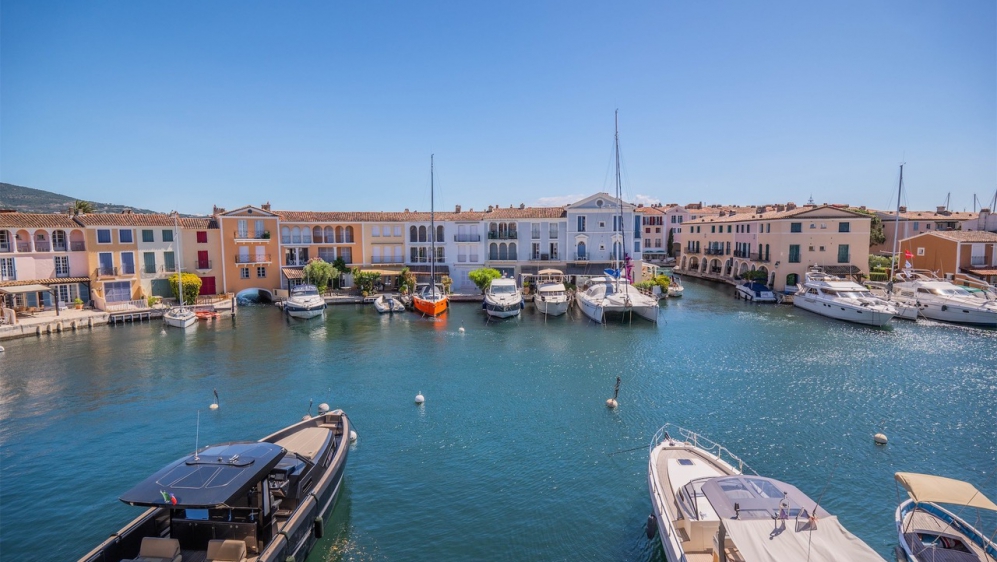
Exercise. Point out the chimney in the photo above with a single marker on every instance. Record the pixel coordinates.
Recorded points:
(522, 206)
(457, 208)
(489, 209)
(266, 206)
(406, 210)
(790, 206)
(780, 208)
(940, 209)
(759, 209)
(862, 208)
(903, 209)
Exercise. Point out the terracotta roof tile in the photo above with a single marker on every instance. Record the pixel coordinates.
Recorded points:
(36, 220)
(198, 223)
(963, 235)
(421, 216)
(125, 219)
(752, 215)
(58, 281)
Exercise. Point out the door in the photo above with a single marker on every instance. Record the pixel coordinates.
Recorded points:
(208, 286)
(118, 291)
(202, 260)
(161, 288)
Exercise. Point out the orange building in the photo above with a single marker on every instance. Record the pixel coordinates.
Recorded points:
(250, 249)
(305, 235)
(954, 254)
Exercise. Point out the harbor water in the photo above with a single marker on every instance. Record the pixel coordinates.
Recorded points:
(514, 455)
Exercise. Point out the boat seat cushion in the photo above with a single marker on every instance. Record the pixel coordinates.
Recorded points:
(156, 549)
(227, 551)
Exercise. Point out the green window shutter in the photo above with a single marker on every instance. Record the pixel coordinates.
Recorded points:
(794, 253)
(843, 253)
(167, 236)
(147, 236)
(170, 261)
(149, 259)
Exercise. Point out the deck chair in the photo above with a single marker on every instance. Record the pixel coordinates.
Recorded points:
(155, 549)
(226, 551)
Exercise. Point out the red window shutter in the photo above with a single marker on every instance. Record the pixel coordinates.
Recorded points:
(202, 237)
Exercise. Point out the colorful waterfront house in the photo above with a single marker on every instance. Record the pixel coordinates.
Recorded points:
(779, 242)
(250, 250)
(912, 223)
(654, 231)
(116, 269)
(305, 235)
(202, 249)
(597, 237)
(986, 221)
(157, 244)
(43, 260)
(423, 233)
(955, 254)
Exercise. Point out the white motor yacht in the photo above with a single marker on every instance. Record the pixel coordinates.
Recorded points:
(608, 297)
(503, 299)
(304, 302)
(754, 292)
(551, 297)
(937, 299)
(928, 532)
(709, 505)
(675, 288)
(837, 298)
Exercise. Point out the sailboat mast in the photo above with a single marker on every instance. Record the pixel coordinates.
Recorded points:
(896, 226)
(432, 230)
(619, 197)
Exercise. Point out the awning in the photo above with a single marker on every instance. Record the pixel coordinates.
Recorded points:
(26, 289)
(424, 269)
(792, 539)
(841, 269)
(928, 488)
(53, 281)
(380, 271)
(981, 271)
(293, 273)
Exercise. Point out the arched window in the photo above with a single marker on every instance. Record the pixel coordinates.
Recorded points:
(295, 235)
(422, 234)
(439, 233)
(512, 251)
(581, 250)
(792, 279)
(330, 235)
(413, 234)
(339, 235)
(503, 251)
(493, 251)
(317, 234)
(503, 230)
(285, 235)
(349, 234)
(492, 230)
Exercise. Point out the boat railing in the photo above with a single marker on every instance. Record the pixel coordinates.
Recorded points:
(676, 433)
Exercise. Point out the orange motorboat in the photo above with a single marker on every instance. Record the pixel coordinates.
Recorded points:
(431, 302)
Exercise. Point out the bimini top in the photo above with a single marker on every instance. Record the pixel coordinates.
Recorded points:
(212, 478)
(776, 521)
(928, 488)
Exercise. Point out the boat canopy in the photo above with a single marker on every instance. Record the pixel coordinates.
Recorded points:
(825, 541)
(216, 477)
(928, 488)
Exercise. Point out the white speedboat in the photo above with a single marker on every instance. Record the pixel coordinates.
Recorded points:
(675, 288)
(754, 292)
(709, 505)
(551, 296)
(837, 298)
(607, 298)
(304, 302)
(937, 299)
(180, 316)
(503, 299)
(929, 532)
(388, 304)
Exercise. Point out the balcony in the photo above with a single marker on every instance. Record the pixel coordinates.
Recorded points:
(386, 259)
(42, 247)
(543, 257)
(203, 264)
(977, 261)
(496, 235)
(5, 248)
(298, 240)
(77, 246)
(23, 247)
(105, 272)
(424, 259)
(241, 235)
(257, 258)
(467, 238)
(60, 274)
(581, 257)
(59, 247)
(151, 270)
(692, 250)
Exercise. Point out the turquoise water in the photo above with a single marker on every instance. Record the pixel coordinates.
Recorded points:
(514, 455)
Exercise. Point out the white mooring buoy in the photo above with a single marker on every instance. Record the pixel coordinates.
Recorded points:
(353, 436)
(419, 398)
(323, 409)
(612, 403)
(461, 329)
(2, 349)
(880, 438)
(214, 405)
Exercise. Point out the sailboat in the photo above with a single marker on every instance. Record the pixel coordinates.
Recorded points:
(430, 298)
(905, 310)
(613, 295)
(179, 316)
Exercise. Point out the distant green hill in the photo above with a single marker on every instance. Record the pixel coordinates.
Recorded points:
(29, 200)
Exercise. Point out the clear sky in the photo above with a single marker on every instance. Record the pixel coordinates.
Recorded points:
(338, 105)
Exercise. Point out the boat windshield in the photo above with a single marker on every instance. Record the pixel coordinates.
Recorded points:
(953, 292)
(503, 289)
(854, 294)
(304, 291)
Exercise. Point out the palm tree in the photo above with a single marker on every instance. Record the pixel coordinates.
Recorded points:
(81, 207)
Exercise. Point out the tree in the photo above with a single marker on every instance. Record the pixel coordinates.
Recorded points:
(877, 235)
(446, 281)
(671, 240)
(483, 277)
(79, 206)
(191, 287)
(320, 273)
(406, 281)
(365, 280)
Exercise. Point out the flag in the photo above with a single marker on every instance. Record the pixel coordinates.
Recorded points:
(908, 255)
(907, 265)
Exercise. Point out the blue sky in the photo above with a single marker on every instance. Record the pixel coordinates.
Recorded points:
(338, 105)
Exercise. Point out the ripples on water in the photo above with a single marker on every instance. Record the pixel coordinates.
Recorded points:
(510, 457)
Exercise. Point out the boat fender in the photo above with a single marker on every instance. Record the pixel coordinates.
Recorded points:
(652, 527)
(319, 527)
(484, 306)
(522, 305)
(945, 307)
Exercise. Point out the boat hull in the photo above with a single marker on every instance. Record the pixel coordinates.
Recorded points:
(183, 319)
(503, 309)
(305, 312)
(752, 296)
(551, 307)
(430, 307)
(948, 524)
(859, 315)
(955, 313)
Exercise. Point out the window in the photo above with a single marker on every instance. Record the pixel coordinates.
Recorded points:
(657, 230)
(728, 229)
(147, 236)
(713, 229)
(796, 227)
(397, 231)
(581, 223)
(749, 228)
(103, 236)
(843, 253)
(105, 262)
(813, 225)
(920, 251)
(148, 262)
(169, 262)
(244, 273)
(259, 229)
(794, 253)
(62, 266)
(125, 236)
(202, 237)
(375, 231)
(127, 263)
(535, 231)
(822, 248)
(916, 225)
(243, 229)
(168, 236)
(844, 227)
(7, 269)
(261, 271)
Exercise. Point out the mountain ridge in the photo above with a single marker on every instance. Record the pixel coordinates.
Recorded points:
(31, 200)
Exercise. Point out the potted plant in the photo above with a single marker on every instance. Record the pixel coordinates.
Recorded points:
(78, 303)
(266, 234)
